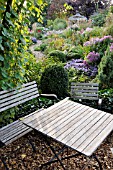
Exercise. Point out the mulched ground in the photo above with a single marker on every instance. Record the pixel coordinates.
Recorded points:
(23, 158)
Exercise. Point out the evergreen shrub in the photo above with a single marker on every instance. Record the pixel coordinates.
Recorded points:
(98, 19)
(58, 55)
(75, 53)
(59, 24)
(105, 71)
(54, 79)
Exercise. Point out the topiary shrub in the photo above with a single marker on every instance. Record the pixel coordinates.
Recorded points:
(54, 79)
(58, 55)
(59, 24)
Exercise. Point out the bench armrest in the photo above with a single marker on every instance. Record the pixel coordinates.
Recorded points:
(99, 102)
(49, 96)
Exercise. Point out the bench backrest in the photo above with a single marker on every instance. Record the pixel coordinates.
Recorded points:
(11, 98)
(84, 91)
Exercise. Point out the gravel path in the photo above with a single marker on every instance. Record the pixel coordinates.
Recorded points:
(37, 54)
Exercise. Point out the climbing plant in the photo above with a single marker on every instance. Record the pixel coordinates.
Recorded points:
(14, 39)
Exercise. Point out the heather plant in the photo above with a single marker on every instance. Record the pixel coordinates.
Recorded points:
(106, 39)
(93, 57)
(93, 32)
(82, 67)
(98, 44)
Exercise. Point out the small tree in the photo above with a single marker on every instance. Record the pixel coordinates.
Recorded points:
(105, 71)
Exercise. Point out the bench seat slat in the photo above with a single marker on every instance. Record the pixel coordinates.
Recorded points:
(91, 98)
(83, 90)
(17, 137)
(86, 94)
(13, 130)
(14, 134)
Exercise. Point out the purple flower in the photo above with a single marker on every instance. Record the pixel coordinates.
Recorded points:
(96, 40)
(87, 43)
(83, 66)
(93, 57)
(34, 40)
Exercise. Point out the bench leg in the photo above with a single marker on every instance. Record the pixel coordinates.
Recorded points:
(5, 165)
(56, 156)
(31, 143)
(99, 163)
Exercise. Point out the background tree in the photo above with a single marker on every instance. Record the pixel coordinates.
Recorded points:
(88, 7)
(55, 9)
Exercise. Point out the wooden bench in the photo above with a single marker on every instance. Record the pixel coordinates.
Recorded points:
(85, 91)
(12, 98)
